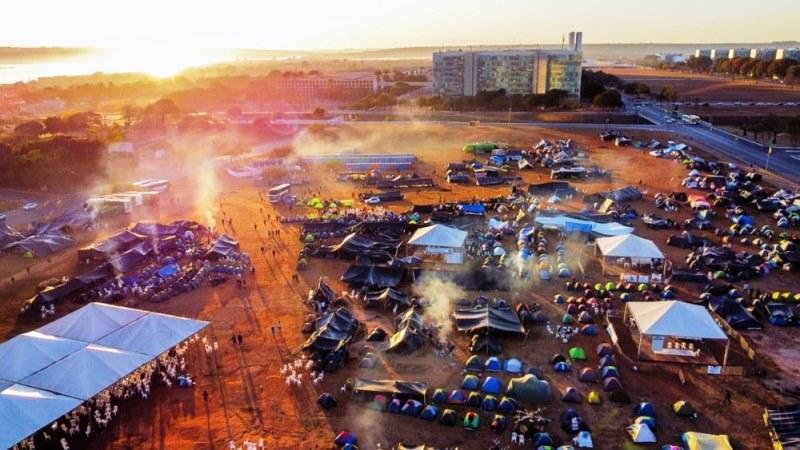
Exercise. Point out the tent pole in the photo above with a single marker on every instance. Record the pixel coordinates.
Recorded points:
(725, 358)
(639, 347)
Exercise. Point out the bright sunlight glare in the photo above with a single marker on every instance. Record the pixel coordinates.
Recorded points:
(158, 61)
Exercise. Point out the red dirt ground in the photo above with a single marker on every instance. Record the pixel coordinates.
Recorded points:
(248, 396)
(707, 87)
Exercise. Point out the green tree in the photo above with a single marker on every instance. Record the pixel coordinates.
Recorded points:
(318, 113)
(779, 67)
(668, 93)
(637, 89)
(31, 128)
(793, 74)
(161, 110)
(609, 99)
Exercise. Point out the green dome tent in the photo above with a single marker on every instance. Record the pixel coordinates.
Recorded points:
(577, 354)
(471, 421)
(529, 389)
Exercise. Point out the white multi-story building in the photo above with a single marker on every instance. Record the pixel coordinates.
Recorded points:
(466, 73)
(788, 53)
(718, 53)
(702, 52)
(738, 53)
(672, 58)
(763, 53)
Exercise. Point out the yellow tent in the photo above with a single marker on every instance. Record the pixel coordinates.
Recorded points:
(594, 398)
(703, 441)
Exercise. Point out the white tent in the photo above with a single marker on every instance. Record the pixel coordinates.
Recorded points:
(87, 372)
(573, 224)
(29, 409)
(92, 322)
(30, 352)
(641, 434)
(675, 319)
(151, 334)
(629, 246)
(46, 373)
(438, 236)
(441, 240)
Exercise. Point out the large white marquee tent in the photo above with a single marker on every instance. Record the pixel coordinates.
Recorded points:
(47, 373)
(441, 240)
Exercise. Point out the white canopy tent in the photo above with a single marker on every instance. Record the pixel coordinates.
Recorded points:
(46, 373)
(31, 352)
(572, 224)
(441, 240)
(25, 410)
(87, 372)
(149, 334)
(629, 248)
(92, 322)
(675, 319)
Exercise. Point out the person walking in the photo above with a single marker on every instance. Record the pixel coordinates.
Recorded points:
(205, 395)
(727, 399)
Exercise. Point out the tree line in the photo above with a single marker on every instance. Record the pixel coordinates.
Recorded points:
(787, 69)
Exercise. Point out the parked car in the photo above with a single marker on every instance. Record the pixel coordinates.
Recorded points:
(30, 206)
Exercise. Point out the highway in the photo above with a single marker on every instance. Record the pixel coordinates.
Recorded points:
(784, 162)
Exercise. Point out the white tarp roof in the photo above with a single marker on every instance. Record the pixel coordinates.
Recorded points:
(150, 334)
(46, 373)
(24, 410)
(438, 236)
(674, 318)
(31, 352)
(87, 372)
(92, 322)
(628, 246)
(604, 228)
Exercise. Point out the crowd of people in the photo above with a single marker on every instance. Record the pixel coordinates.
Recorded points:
(94, 415)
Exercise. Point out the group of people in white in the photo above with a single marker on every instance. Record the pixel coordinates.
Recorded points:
(562, 333)
(248, 445)
(96, 413)
(293, 371)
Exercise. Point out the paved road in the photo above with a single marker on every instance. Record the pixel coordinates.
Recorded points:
(783, 162)
(50, 206)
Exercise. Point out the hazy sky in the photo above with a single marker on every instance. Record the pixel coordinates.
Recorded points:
(315, 24)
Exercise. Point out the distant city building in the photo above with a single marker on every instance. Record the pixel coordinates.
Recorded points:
(671, 58)
(738, 53)
(763, 53)
(321, 86)
(702, 52)
(117, 148)
(788, 53)
(718, 53)
(527, 71)
(45, 107)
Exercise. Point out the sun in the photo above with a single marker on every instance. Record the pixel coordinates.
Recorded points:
(158, 61)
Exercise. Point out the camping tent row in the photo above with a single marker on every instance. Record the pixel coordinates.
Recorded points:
(440, 240)
(50, 371)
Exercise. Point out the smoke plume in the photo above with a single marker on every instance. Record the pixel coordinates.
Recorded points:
(441, 296)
